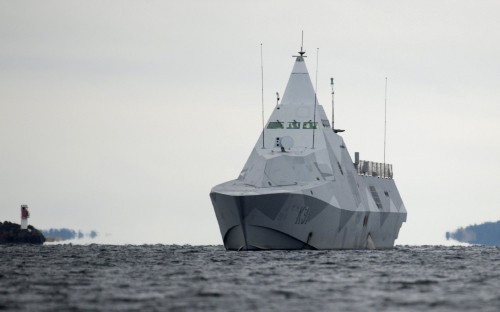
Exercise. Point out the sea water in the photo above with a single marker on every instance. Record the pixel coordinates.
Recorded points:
(191, 278)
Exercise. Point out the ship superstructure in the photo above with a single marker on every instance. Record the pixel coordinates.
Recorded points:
(300, 189)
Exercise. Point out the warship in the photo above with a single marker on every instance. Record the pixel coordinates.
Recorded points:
(300, 189)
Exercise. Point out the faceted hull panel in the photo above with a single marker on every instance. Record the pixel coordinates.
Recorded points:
(282, 221)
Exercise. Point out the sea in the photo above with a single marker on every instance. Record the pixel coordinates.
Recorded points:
(95, 277)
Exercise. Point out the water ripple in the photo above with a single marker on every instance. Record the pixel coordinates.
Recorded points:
(187, 278)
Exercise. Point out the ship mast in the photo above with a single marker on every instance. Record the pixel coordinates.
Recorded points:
(315, 94)
(262, 93)
(333, 106)
(385, 119)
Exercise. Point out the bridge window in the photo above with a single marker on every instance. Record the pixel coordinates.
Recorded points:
(275, 125)
(310, 125)
(293, 125)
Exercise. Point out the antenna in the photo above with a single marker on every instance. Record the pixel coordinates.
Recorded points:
(385, 119)
(302, 45)
(333, 106)
(277, 98)
(262, 92)
(315, 93)
(333, 109)
(317, 59)
(301, 52)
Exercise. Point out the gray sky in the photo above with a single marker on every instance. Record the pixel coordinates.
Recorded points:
(120, 116)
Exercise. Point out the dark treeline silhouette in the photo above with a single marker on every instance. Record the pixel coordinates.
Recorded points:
(66, 234)
(484, 234)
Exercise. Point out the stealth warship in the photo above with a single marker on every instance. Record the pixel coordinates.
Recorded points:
(300, 189)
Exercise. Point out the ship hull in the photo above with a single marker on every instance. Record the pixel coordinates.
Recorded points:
(292, 221)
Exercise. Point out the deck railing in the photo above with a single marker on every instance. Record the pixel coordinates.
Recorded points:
(374, 169)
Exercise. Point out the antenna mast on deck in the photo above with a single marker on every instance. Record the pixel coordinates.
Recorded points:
(333, 109)
(315, 93)
(302, 45)
(262, 92)
(385, 118)
(333, 106)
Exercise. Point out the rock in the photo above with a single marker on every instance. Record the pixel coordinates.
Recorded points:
(11, 233)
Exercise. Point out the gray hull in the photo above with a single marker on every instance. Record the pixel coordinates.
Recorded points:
(297, 221)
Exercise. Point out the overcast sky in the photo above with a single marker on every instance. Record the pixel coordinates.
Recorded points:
(119, 116)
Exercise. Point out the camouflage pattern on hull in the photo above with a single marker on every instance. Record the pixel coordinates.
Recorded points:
(295, 221)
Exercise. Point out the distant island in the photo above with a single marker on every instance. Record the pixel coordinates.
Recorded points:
(11, 233)
(483, 234)
(54, 235)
